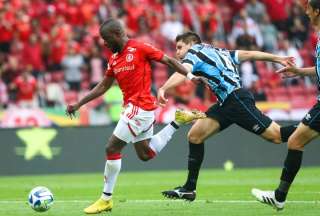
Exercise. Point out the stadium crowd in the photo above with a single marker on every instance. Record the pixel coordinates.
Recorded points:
(50, 50)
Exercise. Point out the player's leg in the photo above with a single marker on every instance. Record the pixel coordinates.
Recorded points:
(116, 143)
(148, 145)
(199, 132)
(302, 136)
(248, 116)
(306, 131)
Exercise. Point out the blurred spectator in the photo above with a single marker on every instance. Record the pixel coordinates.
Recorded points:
(96, 67)
(171, 27)
(25, 87)
(248, 74)
(72, 64)
(244, 24)
(32, 55)
(3, 93)
(298, 24)
(6, 29)
(256, 10)
(269, 34)
(278, 12)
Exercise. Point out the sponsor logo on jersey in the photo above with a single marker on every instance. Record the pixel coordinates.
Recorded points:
(124, 68)
(308, 117)
(255, 128)
(129, 57)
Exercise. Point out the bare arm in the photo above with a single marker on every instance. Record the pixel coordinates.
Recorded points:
(97, 91)
(173, 81)
(244, 55)
(177, 66)
(292, 71)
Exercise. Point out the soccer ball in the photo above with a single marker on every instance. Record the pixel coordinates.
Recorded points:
(40, 199)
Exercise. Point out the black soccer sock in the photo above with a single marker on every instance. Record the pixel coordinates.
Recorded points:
(196, 153)
(286, 132)
(291, 167)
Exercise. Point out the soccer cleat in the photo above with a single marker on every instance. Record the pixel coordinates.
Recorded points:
(99, 206)
(267, 197)
(186, 116)
(180, 193)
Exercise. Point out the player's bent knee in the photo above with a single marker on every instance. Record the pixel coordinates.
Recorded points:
(194, 138)
(294, 144)
(144, 157)
(272, 135)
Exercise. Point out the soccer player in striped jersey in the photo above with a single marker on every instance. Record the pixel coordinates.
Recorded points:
(235, 104)
(130, 66)
(306, 131)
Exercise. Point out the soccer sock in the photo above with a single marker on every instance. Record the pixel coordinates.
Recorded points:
(196, 153)
(160, 140)
(111, 172)
(286, 132)
(291, 167)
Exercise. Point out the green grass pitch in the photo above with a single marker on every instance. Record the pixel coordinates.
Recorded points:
(220, 193)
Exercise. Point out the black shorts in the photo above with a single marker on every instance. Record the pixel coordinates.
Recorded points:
(312, 119)
(239, 108)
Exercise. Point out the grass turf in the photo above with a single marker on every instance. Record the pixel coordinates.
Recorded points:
(138, 193)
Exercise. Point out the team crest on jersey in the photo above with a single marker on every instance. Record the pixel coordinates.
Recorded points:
(129, 58)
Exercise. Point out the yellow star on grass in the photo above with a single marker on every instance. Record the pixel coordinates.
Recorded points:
(37, 141)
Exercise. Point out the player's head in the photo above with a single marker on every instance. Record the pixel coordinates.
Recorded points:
(313, 11)
(113, 34)
(184, 42)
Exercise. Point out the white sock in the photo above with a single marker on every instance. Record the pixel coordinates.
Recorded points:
(160, 140)
(111, 172)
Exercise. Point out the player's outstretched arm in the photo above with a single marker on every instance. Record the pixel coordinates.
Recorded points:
(175, 64)
(97, 91)
(173, 81)
(244, 55)
(292, 71)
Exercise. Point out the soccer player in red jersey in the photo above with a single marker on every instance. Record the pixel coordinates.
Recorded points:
(130, 66)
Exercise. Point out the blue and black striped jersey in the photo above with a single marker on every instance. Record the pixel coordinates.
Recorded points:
(318, 64)
(218, 65)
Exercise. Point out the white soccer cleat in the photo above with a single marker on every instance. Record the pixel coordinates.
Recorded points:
(267, 197)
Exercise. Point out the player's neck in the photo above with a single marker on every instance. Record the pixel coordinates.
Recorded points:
(124, 43)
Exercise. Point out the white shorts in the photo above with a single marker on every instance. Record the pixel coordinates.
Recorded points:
(135, 124)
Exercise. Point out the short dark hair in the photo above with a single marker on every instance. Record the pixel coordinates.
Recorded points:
(112, 25)
(189, 37)
(315, 4)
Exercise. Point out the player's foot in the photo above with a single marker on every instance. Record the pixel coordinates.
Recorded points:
(267, 197)
(99, 206)
(186, 116)
(180, 193)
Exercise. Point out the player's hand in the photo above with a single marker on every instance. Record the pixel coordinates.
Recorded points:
(287, 61)
(162, 100)
(71, 110)
(288, 71)
(199, 79)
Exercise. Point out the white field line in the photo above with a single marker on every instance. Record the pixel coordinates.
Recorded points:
(167, 201)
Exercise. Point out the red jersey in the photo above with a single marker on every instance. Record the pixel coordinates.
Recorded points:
(25, 89)
(132, 70)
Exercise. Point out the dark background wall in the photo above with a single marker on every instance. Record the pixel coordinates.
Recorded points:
(82, 150)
